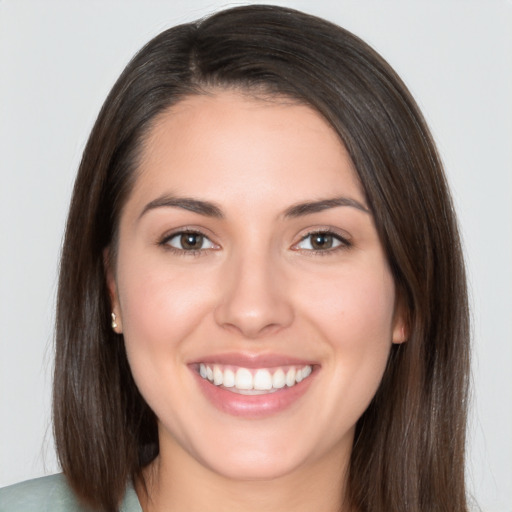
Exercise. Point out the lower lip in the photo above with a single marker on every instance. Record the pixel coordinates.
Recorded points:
(253, 406)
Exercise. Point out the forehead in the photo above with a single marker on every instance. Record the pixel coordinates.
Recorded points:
(230, 146)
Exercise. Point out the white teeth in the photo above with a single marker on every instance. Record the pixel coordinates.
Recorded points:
(218, 376)
(278, 379)
(229, 378)
(260, 380)
(290, 377)
(243, 379)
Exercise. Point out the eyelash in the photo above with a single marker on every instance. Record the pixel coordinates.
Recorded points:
(343, 243)
(164, 242)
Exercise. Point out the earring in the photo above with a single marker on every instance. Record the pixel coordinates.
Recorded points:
(114, 323)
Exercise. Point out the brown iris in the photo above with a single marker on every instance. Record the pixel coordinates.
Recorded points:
(321, 241)
(191, 241)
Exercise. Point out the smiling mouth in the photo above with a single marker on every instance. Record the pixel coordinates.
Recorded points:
(255, 381)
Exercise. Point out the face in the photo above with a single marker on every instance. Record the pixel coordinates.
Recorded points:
(255, 300)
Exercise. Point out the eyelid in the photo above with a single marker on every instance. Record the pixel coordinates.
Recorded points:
(164, 240)
(343, 239)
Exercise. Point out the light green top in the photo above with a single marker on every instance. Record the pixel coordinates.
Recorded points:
(52, 494)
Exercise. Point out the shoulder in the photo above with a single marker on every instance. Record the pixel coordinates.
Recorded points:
(41, 494)
(52, 494)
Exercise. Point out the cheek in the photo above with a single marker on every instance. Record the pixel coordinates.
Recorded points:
(354, 311)
(160, 307)
(355, 306)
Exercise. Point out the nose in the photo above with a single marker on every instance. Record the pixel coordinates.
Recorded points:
(254, 300)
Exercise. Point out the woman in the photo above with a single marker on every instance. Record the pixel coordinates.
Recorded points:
(262, 300)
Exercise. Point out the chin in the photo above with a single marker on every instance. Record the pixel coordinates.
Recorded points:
(260, 467)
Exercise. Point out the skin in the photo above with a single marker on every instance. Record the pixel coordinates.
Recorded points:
(255, 287)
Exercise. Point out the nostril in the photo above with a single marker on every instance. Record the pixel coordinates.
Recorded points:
(254, 322)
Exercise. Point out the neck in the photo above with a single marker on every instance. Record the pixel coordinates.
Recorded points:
(187, 486)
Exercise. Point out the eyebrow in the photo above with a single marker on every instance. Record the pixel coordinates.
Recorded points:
(186, 203)
(301, 209)
(210, 209)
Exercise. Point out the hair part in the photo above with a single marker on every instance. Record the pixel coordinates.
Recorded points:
(408, 451)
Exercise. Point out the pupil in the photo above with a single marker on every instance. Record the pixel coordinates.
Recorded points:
(321, 241)
(191, 241)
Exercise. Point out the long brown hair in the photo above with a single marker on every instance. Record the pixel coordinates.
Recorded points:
(408, 452)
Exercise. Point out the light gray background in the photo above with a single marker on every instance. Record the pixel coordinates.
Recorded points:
(59, 59)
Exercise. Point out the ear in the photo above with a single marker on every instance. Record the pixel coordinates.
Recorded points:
(117, 325)
(400, 324)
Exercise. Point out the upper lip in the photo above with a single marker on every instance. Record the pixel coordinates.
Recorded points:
(248, 360)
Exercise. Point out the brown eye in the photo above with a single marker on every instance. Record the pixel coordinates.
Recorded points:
(189, 241)
(322, 241)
